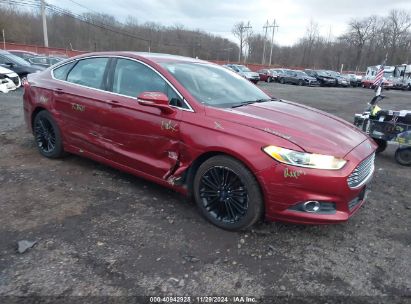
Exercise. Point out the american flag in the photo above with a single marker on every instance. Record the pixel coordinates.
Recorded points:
(379, 77)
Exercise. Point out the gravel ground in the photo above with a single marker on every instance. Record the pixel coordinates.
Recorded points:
(101, 232)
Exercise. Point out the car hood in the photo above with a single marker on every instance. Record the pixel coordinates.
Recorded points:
(5, 71)
(250, 74)
(313, 130)
(310, 78)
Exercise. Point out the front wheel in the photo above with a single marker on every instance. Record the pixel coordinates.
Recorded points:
(282, 81)
(300, 83)
(403, 156)
(227, 193)
(382, 145)
(47, 135)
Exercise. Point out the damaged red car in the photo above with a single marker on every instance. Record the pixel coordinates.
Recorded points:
(204, 131)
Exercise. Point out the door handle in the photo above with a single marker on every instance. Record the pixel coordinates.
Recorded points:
(113, 103)
(58, 91)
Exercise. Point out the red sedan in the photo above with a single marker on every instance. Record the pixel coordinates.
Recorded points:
(204, 131)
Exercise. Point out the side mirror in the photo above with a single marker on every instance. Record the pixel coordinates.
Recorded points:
(156, 100)
(10, 64)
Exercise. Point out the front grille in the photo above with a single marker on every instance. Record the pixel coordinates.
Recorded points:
(362, 172)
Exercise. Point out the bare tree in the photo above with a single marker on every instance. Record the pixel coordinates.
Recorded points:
(399, 22)
(241, 31)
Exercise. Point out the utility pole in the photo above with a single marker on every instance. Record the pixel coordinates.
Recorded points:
(243, 29)
(4, 40)
(266, 26)
(272, 39)
(43, 16)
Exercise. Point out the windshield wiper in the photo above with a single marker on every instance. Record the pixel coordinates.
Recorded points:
(248, 102)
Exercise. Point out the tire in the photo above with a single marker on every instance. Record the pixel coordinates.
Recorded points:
(382, 145)
(403, 156)
(214, 183)
(300, 83)
(47, 136)
(269, 79)
(282, 81)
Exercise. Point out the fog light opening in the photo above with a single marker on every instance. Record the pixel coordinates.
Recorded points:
(311, 206)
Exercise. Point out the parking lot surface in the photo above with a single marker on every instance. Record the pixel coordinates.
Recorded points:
(102, 232)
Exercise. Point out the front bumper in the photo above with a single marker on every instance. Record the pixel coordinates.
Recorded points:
(286, 187)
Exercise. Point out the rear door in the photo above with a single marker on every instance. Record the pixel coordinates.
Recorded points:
(142, 137)
(80, 99)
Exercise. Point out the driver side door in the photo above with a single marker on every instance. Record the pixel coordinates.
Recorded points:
(143, 138)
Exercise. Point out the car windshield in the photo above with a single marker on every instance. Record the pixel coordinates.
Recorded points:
(322, 73)
(301, 74)
(243, 68)
(388, 74)
(16, 59)
(333, 74)
(215, 86)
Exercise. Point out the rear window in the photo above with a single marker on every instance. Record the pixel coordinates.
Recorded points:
(88, 72)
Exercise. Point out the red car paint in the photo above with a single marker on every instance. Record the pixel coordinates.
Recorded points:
(144, 141)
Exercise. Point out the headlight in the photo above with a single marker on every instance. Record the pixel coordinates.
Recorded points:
(302, 159)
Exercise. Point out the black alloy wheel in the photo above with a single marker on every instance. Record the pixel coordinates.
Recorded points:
(223, 194)
(227, 193)
(47, 135)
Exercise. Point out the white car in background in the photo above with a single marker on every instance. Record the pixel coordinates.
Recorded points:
(9, 80)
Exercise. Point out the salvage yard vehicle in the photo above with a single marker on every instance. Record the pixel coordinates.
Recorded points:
(9, 81)
(339, 80)
(45, 61)
(245, 72)
(387, 126)
(322, 77)
(26, 55)
(297, 77)
(204, 131)
(18, 65)
(353, 80)
(268, 75)
(368, 79)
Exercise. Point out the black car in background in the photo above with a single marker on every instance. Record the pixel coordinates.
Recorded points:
(324, 79)
(26, 55)
(297, 77)
(18, 65)
(340, 81)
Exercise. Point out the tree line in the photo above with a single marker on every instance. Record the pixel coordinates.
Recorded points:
(366, 42)
(103, 32)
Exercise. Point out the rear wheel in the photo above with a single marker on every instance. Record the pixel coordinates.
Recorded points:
(227, 193)
(282, 81)
(47, 135)
(403, 156)
(269, 79)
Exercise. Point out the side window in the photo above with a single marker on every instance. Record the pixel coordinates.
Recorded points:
(132, 78)
(89, 72)
(61, 72)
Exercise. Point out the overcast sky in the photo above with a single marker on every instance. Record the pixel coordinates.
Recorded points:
(219, 16)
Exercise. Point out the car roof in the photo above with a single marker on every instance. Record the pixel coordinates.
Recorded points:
(155, 57)
(21, 51)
